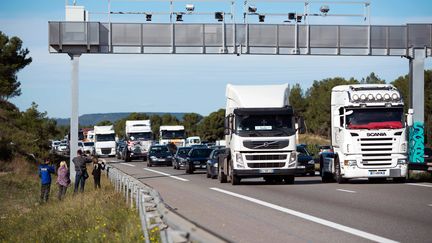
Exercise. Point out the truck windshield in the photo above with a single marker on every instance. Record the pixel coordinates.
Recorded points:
(264, 125)
(105, 137)
(375, 118)
(141, 135)
(173, 134)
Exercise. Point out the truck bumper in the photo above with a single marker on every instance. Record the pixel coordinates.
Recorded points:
(266, 172)
(355, 172)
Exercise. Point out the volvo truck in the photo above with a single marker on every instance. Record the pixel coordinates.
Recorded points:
(105, 144)
(139, 138)
(369, 134)
(260, 135)
(172, 135)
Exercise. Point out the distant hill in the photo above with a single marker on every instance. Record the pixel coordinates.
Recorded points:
(92, 119)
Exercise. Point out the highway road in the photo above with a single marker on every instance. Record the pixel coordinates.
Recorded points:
(308, 211)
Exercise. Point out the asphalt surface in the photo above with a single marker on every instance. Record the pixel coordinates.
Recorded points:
(308, 211)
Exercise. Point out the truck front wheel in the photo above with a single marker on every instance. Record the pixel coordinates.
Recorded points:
(338, 174)
(289, 179)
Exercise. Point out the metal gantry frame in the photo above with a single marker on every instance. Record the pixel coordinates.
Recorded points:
(413, 41)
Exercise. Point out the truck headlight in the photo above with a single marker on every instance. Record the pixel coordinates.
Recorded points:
(403, 147)
(293, 157)
(239, 159)
(311, 162)
(352, 162)
(402, 161)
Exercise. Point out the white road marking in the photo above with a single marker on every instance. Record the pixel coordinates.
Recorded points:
(127, 164)
(430, 205)
(343, 190)
(317, 220)
(419, 184)
(166, 174)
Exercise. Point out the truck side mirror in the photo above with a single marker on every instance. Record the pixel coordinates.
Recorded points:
(409, 117)
(227, 125)
(301, 126)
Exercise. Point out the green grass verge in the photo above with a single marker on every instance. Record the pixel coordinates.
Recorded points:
(94, 216)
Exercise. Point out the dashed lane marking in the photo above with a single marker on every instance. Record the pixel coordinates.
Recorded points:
(308, 217)
(127, 164)
(419, 184)
(343, 190)
(166, 174)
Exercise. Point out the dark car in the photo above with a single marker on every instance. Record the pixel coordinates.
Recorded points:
(197, 159)
(159, 155)
(212, 163)
(119, 149)
(305, 160)
(180, 156)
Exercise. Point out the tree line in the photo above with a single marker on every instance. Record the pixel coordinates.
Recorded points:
(28, 132)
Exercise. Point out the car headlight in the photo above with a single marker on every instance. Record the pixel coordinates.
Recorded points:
(311, 162)
(152, 157)
(169, 157)
(402, 161)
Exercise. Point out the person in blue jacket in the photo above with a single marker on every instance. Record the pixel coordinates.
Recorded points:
(45, 171)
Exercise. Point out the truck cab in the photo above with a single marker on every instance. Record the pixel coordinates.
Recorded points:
(139, 138)
(260, 134)
(172, 135)
(369, 134)
(193, 141)
(105, 144)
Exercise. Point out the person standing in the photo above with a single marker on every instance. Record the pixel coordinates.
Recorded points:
(45, 171)
(98, 166)
(63, 179)
(81, 171)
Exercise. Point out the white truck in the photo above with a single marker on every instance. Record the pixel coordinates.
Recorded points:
(105, 144)
(139, 138)
(172, 134)
(193, 141)
(369, 134)
(260, 135)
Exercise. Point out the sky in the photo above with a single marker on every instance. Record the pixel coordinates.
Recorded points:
(180, 83)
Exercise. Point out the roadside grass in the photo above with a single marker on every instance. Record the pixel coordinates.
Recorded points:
(93, 216)
(420, 176)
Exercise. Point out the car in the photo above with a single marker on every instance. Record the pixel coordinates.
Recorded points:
(212, 163)
(428, 155)
(180, 156)
(199, 146)
(89, 148)
(305, 160)
(63, 148)
(54, 145)
(159, 155)
(197, 159)
(121, 144)
(325, 148)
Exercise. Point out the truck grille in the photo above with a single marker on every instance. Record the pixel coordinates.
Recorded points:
(266, 165)
(106, 150)
(266, 144)
(376, 151)
(266, 157)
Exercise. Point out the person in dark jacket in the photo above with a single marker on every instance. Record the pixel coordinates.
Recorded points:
(81, 170)
(45, 171)
(98, 166)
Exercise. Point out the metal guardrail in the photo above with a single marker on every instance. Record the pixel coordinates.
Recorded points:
(154, 213)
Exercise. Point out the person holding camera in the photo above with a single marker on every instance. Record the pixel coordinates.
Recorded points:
(98, 166)
(81, 171)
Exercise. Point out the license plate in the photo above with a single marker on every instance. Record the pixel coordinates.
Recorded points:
(377, 173)
(266, 170)
(301, 166)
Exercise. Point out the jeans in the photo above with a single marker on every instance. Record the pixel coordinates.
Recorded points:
(45, 190)
(79, 181)
(62, 192)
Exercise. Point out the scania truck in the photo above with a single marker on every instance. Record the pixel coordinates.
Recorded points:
(172, 134)
(260, 135)
(369, 134)
(139, 138)
(105, 144)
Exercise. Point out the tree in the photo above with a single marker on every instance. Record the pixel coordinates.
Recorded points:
(190, 122)
(372, 79)
(317, 115)
(211, 127)
(12, 59)
(104, 123)
(297, 100)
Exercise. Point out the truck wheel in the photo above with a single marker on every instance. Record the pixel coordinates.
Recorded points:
(144, 158)
(289, 179)
(175, 165)
(207, 173)
(221, 176)
(235, 180)
(399, 179)
(338, 174)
